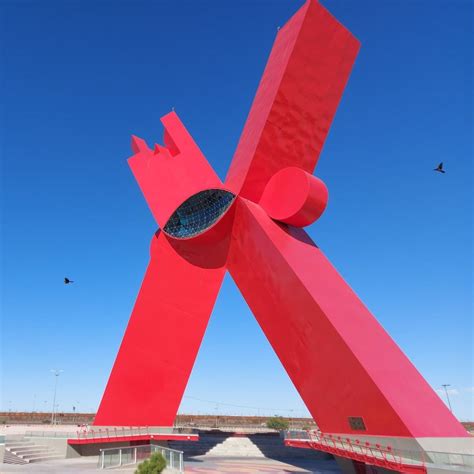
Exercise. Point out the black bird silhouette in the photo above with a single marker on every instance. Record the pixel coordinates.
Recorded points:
(67, 281)
(439, 168)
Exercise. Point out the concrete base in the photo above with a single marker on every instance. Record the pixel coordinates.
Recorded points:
(345, 465)
(348, 467)
(448, 470)
(93, 449)
(58, 444)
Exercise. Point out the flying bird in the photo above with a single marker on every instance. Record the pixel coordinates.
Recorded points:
(439, 168)
(67, 281)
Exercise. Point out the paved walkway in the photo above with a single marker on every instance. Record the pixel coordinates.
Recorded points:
(209, 465)
(201, 465)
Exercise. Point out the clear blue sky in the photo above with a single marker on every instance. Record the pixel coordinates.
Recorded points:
(79, 77)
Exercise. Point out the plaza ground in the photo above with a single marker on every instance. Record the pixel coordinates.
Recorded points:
(225, 462)
(199, 464)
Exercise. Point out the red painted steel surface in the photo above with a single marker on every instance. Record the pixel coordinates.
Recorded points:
(338, 356)
(296, 100)
(164, 334)
(325, 337)
(294, 197)
(169, 175)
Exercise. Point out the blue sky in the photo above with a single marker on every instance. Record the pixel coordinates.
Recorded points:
(80, 77)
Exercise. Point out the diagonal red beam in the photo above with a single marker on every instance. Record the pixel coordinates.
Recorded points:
(165, 331)
(296, 100)
(341, 360)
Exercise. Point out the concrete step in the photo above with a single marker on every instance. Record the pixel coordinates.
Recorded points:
(30, 446)
(243, 446)
(10, 458)
(239, 447)
(21, 449)
(17, 444)
(38, 452)
(45, 458)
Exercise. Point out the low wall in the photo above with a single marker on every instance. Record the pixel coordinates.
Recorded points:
(93, 449)
(58, 444)
(347, 467)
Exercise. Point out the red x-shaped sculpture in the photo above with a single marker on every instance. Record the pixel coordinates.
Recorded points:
(348, 371)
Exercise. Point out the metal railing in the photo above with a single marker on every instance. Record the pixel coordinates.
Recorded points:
(296, 434)
(129, 455)
(93, 433)
(110, 433)
(231, 428)
(120, 432)
(50, 434)
(387, 456)
(451, 459)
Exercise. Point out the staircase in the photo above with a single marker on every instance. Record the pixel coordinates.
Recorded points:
(236, 447)
(10, 458)
(265, 445)
(24, 451)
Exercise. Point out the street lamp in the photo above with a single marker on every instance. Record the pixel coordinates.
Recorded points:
(445, 386)
(56, 373)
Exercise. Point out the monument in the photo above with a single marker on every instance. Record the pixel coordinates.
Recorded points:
(352, 376)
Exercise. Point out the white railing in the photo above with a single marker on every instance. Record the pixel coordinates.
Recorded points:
(363, 450)
(129, 455)
(114, 432)
(121, 432)
(458, 460)
(110, 432)
(231, 428)
(50, 434)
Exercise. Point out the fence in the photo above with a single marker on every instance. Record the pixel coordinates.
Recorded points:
(230, 428)
(109, 432)
(458, 460)
(50, 434)
(120, 432)
(387, 456)
(116, 457)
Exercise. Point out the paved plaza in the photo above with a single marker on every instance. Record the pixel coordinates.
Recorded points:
(201, 465)
(205, 465)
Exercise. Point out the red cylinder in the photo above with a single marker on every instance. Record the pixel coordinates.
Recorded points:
(294, 197)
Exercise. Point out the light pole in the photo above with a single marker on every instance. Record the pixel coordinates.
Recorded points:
(56, 373)
(445, 386)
